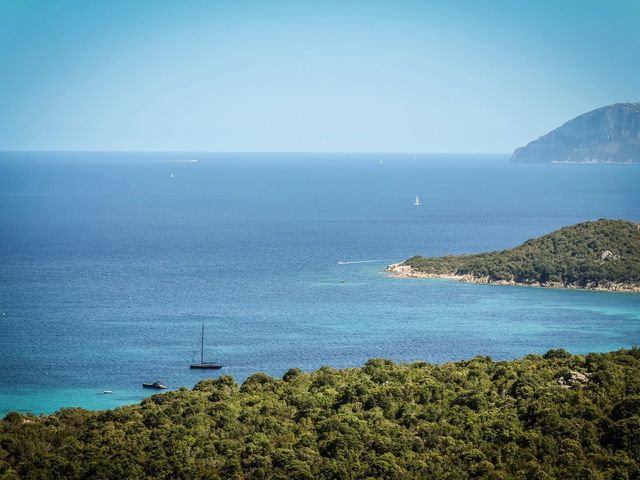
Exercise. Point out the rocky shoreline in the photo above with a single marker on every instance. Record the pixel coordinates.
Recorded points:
(400, 270)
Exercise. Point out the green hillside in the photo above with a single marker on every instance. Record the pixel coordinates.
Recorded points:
(588, 254)
(541, 417)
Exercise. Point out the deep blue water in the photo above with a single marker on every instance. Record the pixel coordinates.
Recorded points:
(108, 266)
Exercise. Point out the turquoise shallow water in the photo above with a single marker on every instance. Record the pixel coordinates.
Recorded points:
(109, 266)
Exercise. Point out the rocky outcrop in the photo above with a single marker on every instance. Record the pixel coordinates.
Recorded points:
(572, 379)
(608, 255)
(609, 134)
(402, 270)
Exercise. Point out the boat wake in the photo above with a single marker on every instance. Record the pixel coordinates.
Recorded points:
(340, 262)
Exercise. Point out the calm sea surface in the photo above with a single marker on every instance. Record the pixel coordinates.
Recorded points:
(109, 266)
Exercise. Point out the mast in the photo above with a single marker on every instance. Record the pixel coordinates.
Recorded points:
(202, 345)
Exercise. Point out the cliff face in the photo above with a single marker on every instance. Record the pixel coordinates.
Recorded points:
(607, 135)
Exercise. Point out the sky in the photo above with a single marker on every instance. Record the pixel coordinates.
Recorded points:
(327, 76)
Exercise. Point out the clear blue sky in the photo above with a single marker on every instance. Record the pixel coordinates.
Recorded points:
(455, 76)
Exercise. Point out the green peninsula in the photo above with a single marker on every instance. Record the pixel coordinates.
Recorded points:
(599, 255)
(541, 417)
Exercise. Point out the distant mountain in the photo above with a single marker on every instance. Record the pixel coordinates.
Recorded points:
(609, 134)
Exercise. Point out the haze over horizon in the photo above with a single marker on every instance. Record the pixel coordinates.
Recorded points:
(464, 77)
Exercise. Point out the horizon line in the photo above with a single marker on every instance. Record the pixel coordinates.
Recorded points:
(285, 152)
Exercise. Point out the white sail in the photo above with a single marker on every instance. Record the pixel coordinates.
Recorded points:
(417, 202)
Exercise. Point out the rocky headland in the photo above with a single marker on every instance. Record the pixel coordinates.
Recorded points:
(602, 255)
(609, 134)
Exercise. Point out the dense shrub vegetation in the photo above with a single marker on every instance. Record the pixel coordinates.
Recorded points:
(586, 254)
(469, 419)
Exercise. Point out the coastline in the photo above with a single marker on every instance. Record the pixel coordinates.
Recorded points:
(400, 270)
(590, 162)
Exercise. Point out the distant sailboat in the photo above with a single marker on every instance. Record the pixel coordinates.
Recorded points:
(380, 162)
(202, 364)
(417, 202)
(171, 176)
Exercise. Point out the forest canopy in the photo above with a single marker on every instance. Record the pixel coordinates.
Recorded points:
(552, 416)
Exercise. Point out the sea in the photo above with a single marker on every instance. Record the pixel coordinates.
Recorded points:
(111, 263)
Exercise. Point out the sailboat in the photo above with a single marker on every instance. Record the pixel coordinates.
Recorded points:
(171, 176)
(202, 364)
(417, 202)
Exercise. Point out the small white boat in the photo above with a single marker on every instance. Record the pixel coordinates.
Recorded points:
(171, 176)
(107, 391)
(417, 202)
